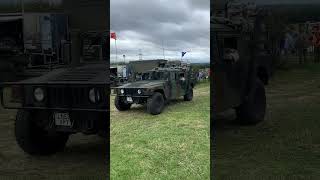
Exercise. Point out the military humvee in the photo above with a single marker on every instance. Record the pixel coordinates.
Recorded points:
(155, 88)
(71, 99)
(243, 61)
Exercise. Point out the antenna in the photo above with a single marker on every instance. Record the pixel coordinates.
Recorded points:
(164, 57)
(22, 6)
(140, 54)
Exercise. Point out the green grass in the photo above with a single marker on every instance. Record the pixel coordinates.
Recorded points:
(172, 145)
(287, 144)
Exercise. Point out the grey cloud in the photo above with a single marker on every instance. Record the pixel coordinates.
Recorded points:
(179, 25)
(284, 1)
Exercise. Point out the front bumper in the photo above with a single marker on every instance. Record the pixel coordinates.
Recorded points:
(142, 99)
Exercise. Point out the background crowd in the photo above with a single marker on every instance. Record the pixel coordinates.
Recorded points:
(302, 40)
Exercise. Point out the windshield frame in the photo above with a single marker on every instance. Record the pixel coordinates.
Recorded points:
(155, 76)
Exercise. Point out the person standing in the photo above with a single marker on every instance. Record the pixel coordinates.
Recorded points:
(317, 47)
(301, 47)
(288, 41)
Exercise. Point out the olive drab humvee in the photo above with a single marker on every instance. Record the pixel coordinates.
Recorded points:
(243, 60)
(156, 88)
(73, 98)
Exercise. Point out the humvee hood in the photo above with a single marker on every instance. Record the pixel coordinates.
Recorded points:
(143, 84)
(85, 73)
(89, 73)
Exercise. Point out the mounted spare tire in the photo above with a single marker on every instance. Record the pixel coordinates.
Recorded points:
(253, 110)
(35, 140)
(155, 104)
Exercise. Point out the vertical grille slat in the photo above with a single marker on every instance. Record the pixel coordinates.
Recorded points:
(67, 97)
(131, 91)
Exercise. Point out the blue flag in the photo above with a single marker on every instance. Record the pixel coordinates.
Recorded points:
(183, 53)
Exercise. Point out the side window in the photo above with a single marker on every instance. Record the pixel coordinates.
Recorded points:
(231, 43)
(182, 77)
(230, 50)
(167, 76)
(172, 76)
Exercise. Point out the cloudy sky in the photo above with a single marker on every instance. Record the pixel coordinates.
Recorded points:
(150, 25)
(284, 1)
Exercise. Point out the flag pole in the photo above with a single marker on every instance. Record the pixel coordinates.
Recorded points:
(115, 42)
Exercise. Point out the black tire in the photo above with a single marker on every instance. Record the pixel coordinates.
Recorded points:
(189, 95)
(35, 140)
(155, 104)
(254, 109)
(121, 105)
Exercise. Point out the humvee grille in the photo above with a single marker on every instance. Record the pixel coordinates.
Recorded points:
(68, 97)
(131, 91)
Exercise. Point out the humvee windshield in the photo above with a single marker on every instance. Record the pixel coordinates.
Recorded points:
(155, 75)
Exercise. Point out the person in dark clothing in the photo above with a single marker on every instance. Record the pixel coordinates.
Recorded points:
(302, 45)
(317, 47)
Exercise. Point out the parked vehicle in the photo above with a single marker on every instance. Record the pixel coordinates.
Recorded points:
(156, 88)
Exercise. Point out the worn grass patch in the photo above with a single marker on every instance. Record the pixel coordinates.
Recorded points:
(287, 144)
(83, 158)
(172, 145)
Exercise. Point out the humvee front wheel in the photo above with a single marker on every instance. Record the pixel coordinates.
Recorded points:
(189, 95)
(155, 104)
(121, 105)
(35, 140)
(253, 110)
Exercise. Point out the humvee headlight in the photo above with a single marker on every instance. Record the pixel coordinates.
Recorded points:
(38, 94)
(139, 91)
(94, 95)
(122, 91)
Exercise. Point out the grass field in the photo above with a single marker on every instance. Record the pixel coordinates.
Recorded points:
(172, 145)
(83, 158)
(287, 144)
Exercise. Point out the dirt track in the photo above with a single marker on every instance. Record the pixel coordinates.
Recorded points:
(83, 156)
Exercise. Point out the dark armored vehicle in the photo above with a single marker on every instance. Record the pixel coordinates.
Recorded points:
(12, 58)
(71, 99)
(243, 61)
(155, 88)
(33, 34)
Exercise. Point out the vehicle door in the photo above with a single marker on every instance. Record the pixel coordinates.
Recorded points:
(182, 83)
(230, 71)
(173, 85)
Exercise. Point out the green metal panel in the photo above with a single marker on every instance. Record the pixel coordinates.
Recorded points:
(88, 15)
(15, 6)
(10, 6)
(144, 65)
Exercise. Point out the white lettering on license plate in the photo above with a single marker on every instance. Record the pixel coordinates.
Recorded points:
(62, 119)
(129, 99)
